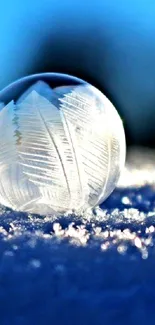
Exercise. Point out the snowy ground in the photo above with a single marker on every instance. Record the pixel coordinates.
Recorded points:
(95, 269)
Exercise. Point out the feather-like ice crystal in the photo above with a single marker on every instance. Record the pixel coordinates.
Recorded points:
(60, 149)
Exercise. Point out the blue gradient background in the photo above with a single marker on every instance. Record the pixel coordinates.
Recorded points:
(109, 43)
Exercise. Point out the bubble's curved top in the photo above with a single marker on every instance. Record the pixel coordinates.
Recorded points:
(16, 88)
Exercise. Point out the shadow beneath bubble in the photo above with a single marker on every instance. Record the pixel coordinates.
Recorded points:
(141, 198)
(128, 207)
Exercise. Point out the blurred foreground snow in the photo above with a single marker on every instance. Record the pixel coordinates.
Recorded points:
(92, 269)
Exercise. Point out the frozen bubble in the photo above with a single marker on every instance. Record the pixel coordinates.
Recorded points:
(62, 145)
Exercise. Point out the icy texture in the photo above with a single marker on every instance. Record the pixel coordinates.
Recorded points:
(91, 270)
(61, 149)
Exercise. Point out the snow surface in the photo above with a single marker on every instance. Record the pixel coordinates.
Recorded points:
(92, 269)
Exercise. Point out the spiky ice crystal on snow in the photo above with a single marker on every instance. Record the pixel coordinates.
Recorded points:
(61, 149)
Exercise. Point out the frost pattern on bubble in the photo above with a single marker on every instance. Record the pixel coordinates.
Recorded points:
(61, 149)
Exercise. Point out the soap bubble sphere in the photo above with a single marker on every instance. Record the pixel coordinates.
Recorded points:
(62, 145)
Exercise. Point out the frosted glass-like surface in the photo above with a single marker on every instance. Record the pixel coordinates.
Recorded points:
(60, 149)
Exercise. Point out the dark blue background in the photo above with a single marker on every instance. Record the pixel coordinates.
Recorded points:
(109, 43)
